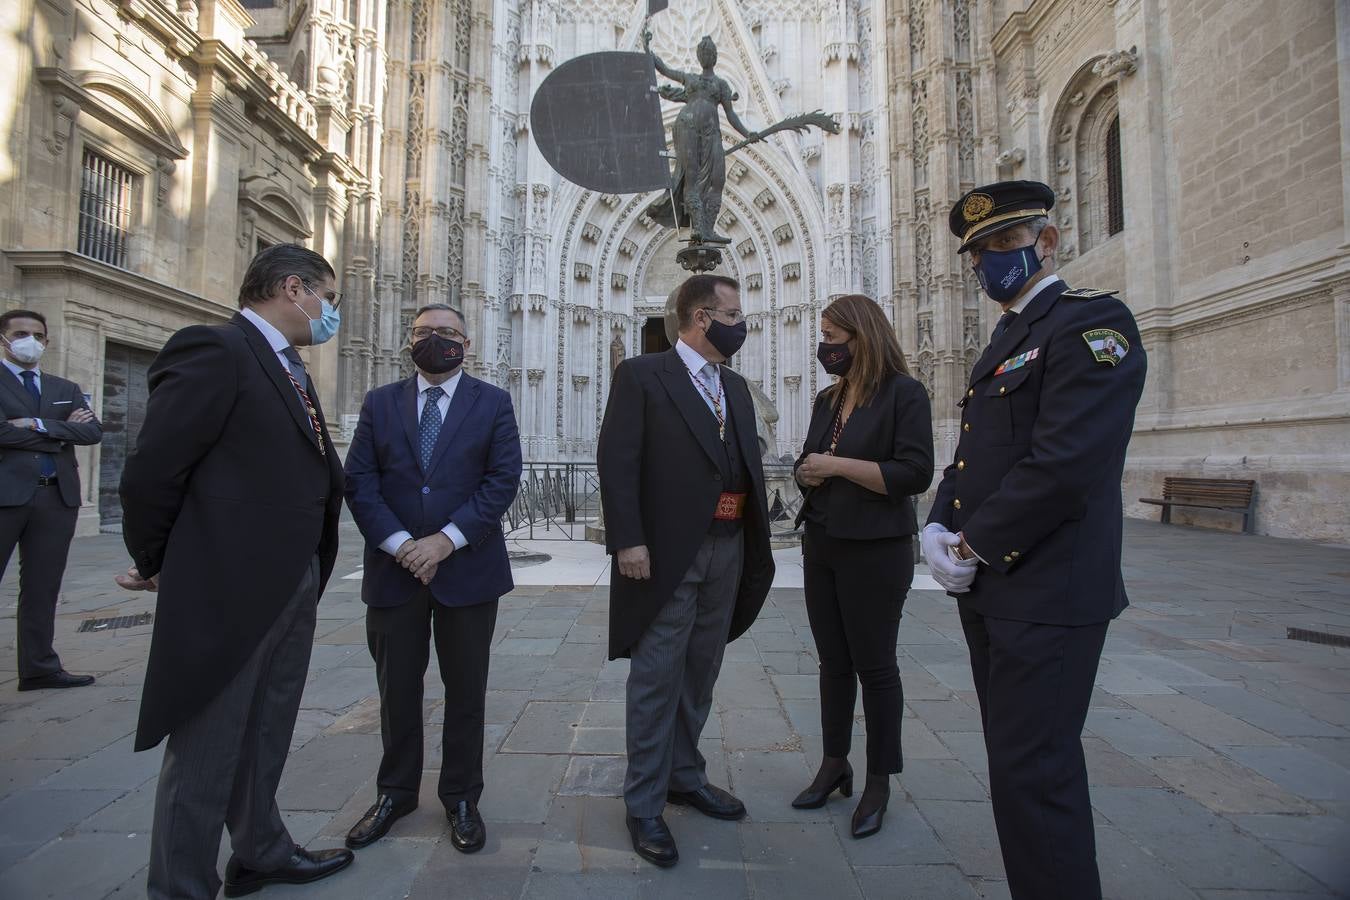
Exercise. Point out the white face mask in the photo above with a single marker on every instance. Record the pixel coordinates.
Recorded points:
(27, 350)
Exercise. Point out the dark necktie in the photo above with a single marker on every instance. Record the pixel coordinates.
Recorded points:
(296, 365)
(47, 466)
(429, 427)
(1004, 321)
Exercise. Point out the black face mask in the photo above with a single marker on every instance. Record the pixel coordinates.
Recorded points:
(437, 355)
(726, 339)
(836, 358)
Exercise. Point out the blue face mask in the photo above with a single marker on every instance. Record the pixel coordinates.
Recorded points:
(1003, 273)
(323, 328)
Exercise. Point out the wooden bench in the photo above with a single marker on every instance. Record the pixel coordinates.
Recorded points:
(1229, 494)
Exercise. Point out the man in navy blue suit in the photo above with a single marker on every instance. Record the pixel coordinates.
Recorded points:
(433, 466)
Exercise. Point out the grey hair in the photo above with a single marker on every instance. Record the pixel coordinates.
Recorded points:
(440, 307)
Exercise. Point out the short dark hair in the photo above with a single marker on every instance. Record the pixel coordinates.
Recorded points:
(274, 265)
(440, 307)
(13, 314)
(695, 294)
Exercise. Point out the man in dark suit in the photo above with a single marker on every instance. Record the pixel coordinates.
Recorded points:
(687, 521)
(42, 419)
(1026, 528)
(433, 466)
(230, 510)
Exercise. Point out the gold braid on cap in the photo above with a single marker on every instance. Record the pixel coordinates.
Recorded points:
(1003, 217)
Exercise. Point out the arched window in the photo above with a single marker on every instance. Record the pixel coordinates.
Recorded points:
(1115, 194)
(1084, 145)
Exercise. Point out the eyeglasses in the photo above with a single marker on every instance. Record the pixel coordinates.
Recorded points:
(450, 334)
(735, 315)
(333, 297)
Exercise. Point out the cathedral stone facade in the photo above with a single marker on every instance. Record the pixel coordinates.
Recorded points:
(1198, 151)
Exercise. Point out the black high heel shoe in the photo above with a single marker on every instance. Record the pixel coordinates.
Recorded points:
(819, 791)
(872, 806)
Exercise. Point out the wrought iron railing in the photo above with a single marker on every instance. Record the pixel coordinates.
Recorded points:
(561, 501)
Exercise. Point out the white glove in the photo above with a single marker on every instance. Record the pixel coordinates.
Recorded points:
(955, 575)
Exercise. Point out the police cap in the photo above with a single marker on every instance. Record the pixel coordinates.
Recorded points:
(994, 207)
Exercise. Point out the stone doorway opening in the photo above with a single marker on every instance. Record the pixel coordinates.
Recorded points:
(654, 338)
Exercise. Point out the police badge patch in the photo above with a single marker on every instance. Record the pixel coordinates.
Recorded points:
(1107, 346)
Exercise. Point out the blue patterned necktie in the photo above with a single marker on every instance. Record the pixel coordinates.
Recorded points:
(429, 427)
(47, 467)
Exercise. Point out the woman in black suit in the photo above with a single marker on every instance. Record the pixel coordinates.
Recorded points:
(868, 450)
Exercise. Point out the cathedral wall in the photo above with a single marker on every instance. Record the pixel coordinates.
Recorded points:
(1255, 134)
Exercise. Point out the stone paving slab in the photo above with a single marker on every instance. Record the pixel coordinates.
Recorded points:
(1218, 749)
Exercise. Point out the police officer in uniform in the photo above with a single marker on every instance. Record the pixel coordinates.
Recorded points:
(1026, 528)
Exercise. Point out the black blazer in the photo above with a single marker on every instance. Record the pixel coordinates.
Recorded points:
(895, 430)
(1035, 484)
(228, 499)
(659, 483)
(19, 447)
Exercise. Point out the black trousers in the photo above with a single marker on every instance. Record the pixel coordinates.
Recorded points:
(1034, 683)
(855, 591)
(42, 530)
(400, 642)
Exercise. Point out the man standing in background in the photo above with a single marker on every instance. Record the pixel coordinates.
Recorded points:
(44, 419)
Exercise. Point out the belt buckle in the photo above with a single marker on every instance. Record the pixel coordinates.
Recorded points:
(730, 507)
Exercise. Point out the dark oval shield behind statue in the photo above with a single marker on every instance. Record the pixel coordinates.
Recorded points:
(597, 120)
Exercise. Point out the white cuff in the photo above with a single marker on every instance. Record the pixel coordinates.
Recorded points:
(394, 541)
(39, 426)
(455, 535)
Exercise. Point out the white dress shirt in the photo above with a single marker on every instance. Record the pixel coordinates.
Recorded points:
(1031, 294)
(18, 373)
(398, 538)
(710, 374)
(275, 339)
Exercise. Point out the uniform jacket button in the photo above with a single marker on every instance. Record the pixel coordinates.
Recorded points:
(960, 464)
(1003, 390)
(1007, 559)
(426, 490)
(965, 427)
(956, 503)
(1014, 554)
(970, 393)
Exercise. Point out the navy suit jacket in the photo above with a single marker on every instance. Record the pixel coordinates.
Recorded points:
(472, 480)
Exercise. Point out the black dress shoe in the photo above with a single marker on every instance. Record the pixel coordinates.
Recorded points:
(467, 831)
(872, 806)
(831, 777)
(710, 800)
(61, 679)
(653, 841)
(302, 868)
(376, 822)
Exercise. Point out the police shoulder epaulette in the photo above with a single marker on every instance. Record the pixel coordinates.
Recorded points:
(1087, 294)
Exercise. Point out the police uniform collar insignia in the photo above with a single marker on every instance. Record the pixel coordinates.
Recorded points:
(1107, 345)
(1018, 361)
